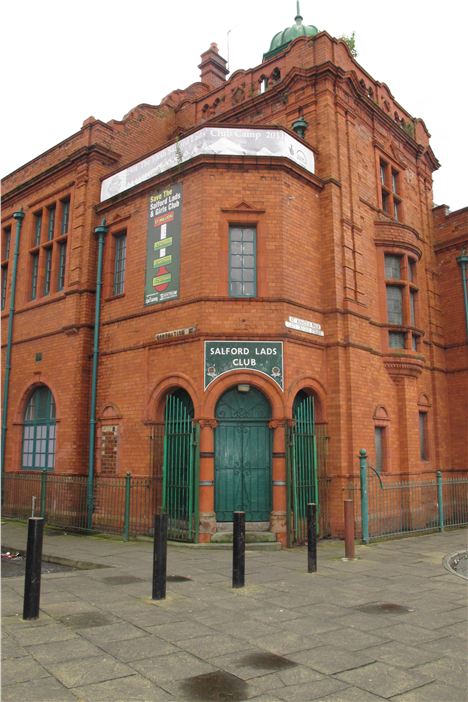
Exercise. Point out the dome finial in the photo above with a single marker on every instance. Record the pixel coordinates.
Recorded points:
(298, 12)
(281, 40)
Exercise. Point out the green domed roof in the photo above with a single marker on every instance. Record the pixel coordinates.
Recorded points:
(282, 39)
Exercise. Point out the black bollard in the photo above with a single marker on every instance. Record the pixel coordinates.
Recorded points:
(32, 578)
(311, 537)
(159, 556)
(238, 549)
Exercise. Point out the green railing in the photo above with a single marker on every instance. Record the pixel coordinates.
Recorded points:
(391, 505)
(122, 505)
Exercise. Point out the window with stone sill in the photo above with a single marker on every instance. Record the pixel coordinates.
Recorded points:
(4, 284)
(6, 242)
(423, 436)
(402, 301)
(380, 441)
(390, 199)
(47, 253)
(120, 255)
(242, 261)
(39, 431)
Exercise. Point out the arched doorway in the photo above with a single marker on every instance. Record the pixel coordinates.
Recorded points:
(180, 467)
(243, 451)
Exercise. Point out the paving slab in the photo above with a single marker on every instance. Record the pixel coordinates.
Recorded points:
(112, 632)
(449, 646)
(310, 625)
(384, 680)
(309, 690)
(351, 639)
(284, 642)
(256, 663)
(15, 670)
(330, 660)
(210, 687)
(351, 694)
(128, 689)
(245, 628)
(207, 647)
(408, 633)
(437, 620)
(400, 654)
(41, 634)
(432, 692)
(176, 666)
(60, 651)
(287, 635)
(177, 631)
(83, 671)
(453, 671)
(141, 647)
(42, 690)
(11, 649)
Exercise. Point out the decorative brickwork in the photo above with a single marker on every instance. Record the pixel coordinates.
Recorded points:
(319, 256)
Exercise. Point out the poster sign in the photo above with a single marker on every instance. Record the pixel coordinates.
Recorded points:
(260, 356)
(163, 245)
(225, 141)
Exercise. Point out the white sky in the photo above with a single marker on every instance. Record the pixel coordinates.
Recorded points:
(65, 61)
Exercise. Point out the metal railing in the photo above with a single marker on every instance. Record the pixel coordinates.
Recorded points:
(388, 506)
(122, 505)
(392, 505)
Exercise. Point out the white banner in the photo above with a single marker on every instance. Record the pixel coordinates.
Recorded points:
(225, 141)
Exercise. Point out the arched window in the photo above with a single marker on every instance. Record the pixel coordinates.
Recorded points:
(39, 431)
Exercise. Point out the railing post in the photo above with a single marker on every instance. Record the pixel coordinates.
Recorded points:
(238, 549)
(159, 556)
(440, 500)
(364, 497)
(349, 530)
(32, 578)
(126, 532)
(43, 492)
(311, 537)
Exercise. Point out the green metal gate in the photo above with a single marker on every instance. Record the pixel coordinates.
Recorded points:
(302, 468)
(181, 467)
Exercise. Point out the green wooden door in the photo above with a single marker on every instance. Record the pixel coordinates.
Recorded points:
(243, 456)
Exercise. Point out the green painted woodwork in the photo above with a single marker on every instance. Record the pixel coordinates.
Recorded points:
(18, 216)
(302, 467)
(39, 427)
(180, 467)
(243, 456)
(101, 231)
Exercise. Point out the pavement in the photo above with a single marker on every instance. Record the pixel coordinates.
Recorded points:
(391, 625)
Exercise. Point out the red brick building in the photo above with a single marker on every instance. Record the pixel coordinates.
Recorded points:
(275, 292)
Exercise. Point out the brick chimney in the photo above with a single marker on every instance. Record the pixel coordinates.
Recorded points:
(213, 69)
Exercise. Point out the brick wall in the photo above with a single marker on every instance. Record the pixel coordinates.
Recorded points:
(320, 246)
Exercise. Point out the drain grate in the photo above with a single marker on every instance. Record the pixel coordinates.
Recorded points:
(215, 687)
(384, 608)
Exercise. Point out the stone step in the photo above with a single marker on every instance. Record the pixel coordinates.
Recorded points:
(265, 546)
(251, 537)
